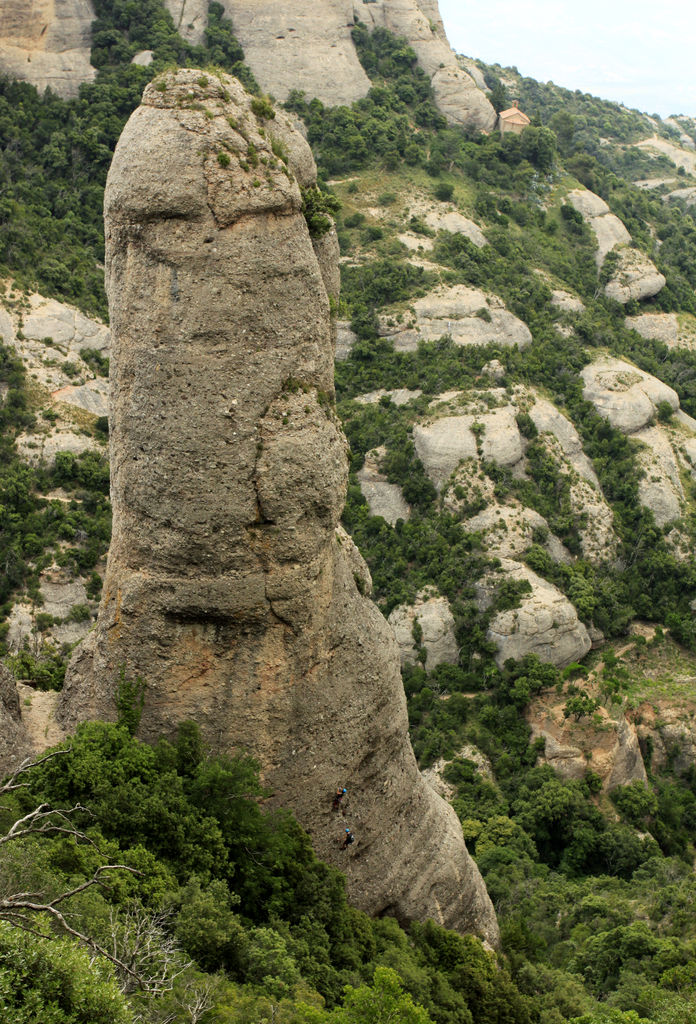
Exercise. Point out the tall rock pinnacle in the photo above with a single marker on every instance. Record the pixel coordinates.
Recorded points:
(230, 587)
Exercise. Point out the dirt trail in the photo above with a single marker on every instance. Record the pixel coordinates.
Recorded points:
(37, 708)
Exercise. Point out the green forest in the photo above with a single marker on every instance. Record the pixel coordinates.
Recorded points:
(152, 883)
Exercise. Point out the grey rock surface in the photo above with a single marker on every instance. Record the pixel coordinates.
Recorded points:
(65, 325)
(470, 488)
(495, 370)
(47, 43)
(675, 330)
(93, 396)
(446, 444)
(298, 44)
(562, 442)
(688, 195)
(623, 394)
(295, 44)
(345, 339)
(610, 233)
(383, 499)
(664, 147)
(441, 444)
(660, 488)
(457, 224)
(508, 531)
(611, 752)
(545, 623)
(467, 315)
(144, 58)
(636, 277)
(228, 588)
(61, 594)
(608, 229)
(550, 420)
(49, 337)
(190, 18)
(673, 734)
(43, 447)
(399, 396)
(14, 741)
(431, 612)
(475, 71)
(567, 302)
(434, 774)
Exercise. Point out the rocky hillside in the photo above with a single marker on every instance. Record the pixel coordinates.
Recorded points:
(291, 46)
(514, 371)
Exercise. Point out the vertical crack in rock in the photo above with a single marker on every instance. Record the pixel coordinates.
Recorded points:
(230, 587)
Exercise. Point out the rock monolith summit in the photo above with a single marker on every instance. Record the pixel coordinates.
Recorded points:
(230, 587)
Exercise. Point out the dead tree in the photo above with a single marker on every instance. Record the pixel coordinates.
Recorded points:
(146, 958)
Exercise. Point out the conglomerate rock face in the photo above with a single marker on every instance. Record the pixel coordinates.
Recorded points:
(229, 588)
(289, 44)
(307, 45)
(47, 43)
(14, 741)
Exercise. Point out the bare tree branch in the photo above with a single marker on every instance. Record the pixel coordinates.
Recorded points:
(19, 910)
(152, 955)
(11, 784)
(41, 821)
(145, 955)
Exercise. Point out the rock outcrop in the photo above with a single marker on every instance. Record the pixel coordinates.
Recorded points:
(635, 276)
(456, 93)
(434, 630)
(47, 43)
(345, 339)
(588, 504)
(608, 747)
(662, 147)
(383, 499)
(228, 587)
(434, 774)
(545, 623)
(298, 44)
(608, 229)
(625, 395)
(14, 742)
(566, 302)
(660, 488)
(508, 531)
(671, 727)
(634, 402)
(466, 429)
(190, 18)
(291, 45)
(50, 338)
(675, 330)
(456, 224)
(442, 443)
(687, 195)
(467, 315)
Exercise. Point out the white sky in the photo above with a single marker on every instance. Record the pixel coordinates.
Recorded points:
(641, 53)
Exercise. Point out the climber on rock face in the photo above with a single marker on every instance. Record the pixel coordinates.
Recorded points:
(348, 838)
(338, 797)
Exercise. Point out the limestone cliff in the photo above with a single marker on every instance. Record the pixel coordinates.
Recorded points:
(228, 586)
